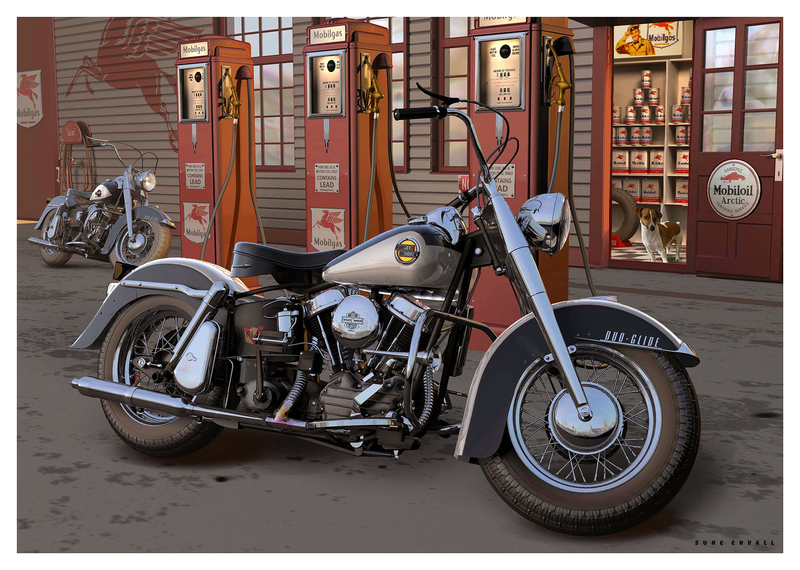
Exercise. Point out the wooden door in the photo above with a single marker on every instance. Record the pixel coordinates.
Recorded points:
(737, 113)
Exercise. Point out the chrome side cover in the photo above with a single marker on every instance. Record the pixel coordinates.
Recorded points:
(193, 372)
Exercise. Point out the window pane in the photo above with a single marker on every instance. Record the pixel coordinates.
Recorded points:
(759, 132)
(286, 41)
(718, 91)
(456, 60)
(272, 155)
(397, 96)
(761, 89)
(398, 154)
(455, 153)
(288, 129)
(719, 48)
(270, 78)
(288, 101)
(272, 104)
(259, 152)
(286, 22)
(270, 41)
(398, 30)
(398, 130)
(717, 133)
(288, 155)
(454, 129)
(287, 74)
(398, 67)
(382, 22)
(269, 23)
(455, 27)
(272, 130)
(252, 39)
(259, 131)
(251, 24)
(456, 87)
(762, 44)
(256, 77)
(237, 26)
(257, 104)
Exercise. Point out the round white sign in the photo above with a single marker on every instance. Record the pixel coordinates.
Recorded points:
(734, 189)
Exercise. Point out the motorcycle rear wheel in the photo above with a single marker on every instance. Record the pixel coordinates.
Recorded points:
(157, 237)
(147, 326)
(613, 482)
(52, 257)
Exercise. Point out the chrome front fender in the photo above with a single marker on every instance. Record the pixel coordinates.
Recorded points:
(599, 320)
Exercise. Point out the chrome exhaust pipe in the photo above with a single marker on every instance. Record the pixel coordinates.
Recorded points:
(141, 398)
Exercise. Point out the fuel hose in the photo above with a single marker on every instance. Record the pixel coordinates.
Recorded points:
(224, 186)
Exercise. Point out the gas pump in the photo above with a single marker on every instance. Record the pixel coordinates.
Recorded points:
(508, 63)
(216, 148)
(349, 170)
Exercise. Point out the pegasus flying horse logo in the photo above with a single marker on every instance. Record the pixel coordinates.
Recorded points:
(26, 87)
(199, 214)
(329, 220)
(126, 59)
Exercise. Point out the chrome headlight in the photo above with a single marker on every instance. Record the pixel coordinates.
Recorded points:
(146, 181)
(545, 220)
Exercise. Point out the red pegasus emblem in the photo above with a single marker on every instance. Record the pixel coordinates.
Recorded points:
(685, 157)
(682, 131)
(658, 157)
(733, 176)
(126, 60)
(631, 186)
(26, 86)
(329, 220)
(650, 186)
(619, 157)
(668, 27)
(199, 214)
(639, 157)
(684, 186)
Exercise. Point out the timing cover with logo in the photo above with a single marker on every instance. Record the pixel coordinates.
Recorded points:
(356, 322)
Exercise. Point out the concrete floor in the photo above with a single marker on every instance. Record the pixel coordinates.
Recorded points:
(80, 489)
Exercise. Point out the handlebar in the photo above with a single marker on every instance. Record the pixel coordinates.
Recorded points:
(412, 113)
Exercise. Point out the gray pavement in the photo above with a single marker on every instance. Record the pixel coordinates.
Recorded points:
(80, 489)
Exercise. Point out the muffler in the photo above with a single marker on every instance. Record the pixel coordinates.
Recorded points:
(141, 398)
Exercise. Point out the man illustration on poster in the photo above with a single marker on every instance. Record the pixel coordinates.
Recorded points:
(638, 46)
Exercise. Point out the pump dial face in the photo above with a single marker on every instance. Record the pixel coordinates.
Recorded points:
(500, 83)
(326, 85)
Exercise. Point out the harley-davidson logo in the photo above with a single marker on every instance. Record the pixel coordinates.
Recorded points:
(406, 251)
(352, 321)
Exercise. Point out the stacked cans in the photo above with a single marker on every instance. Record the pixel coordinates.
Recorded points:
(682, 190)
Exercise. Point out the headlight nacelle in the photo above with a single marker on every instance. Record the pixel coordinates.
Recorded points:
(550, 212)
(146, 180)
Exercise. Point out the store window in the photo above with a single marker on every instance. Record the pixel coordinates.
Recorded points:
(450, 146)
(271, 42)
(652, 79)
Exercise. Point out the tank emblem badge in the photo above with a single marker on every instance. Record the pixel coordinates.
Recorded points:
(406, 251)
(251, 333)
(352, 321)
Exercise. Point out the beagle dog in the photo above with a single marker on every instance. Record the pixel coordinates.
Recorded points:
(657, 237)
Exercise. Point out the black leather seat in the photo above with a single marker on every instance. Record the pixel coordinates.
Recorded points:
(253, 259)
(72, 193)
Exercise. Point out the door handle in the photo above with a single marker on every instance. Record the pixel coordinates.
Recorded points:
(778, 156)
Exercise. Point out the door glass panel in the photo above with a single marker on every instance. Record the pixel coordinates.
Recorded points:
(759, 132)
(455, 27)
(720, 48)
(761, 89)
(718, 91)
(456, 153)
(717, 133)
(762, 44)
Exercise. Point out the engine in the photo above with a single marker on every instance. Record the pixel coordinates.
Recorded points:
(95, 224)
(349, 328)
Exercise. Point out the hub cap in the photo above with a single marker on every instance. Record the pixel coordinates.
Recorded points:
(596, 435)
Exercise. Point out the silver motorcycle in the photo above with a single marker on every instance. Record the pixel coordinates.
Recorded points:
(581, 414)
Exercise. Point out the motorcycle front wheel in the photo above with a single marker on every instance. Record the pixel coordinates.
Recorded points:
(608, 475)
(151, 241)
(50, 256)
(151, 327)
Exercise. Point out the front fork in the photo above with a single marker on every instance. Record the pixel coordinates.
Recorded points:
(529, 282)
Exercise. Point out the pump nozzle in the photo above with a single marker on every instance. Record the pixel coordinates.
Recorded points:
(230, 99)
(559, 83)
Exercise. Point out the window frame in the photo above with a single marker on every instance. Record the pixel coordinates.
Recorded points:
(279, 59)
(440, 44)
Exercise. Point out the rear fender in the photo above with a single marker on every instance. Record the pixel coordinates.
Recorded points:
(52, 205)
(139, 213)
(189, 272)
(597, 320)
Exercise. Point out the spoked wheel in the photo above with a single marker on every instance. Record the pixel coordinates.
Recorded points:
(150, 241)
(51, 231)
(151, 327)
(612, 472)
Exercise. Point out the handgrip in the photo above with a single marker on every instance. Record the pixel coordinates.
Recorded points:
(419, 113)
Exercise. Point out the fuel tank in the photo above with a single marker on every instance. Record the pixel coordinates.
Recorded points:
(417, 256)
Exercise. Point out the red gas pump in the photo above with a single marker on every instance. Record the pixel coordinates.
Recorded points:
(215, 148)
(507, 61)
(348, 162)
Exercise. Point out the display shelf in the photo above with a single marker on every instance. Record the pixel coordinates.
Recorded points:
(678, 145)
(639, 146)
(639, 124)
(679, 124)
(636, 175)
